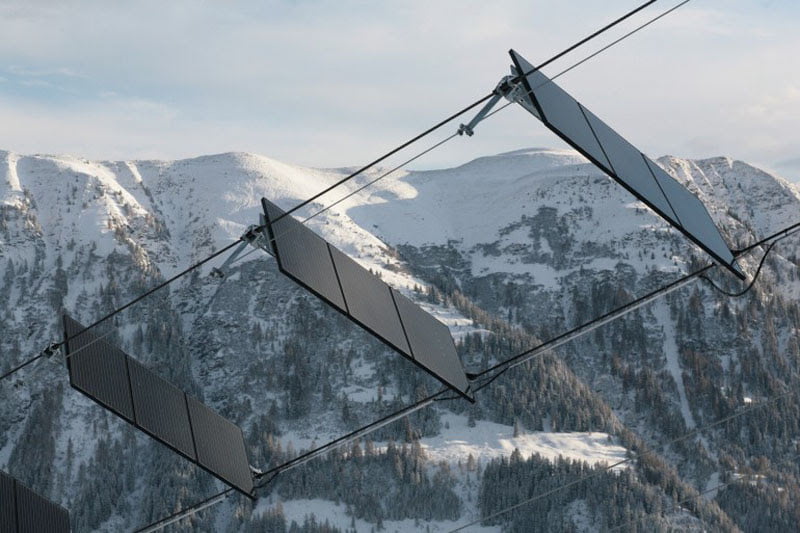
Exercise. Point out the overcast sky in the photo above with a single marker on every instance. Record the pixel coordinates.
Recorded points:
(336, 83)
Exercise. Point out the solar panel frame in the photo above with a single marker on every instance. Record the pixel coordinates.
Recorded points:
(272, 212)
(161, 410)
(560, 111)
(243, 487)
(36, 514)
(432, 345)
(665, 209)
(715, 245)
(8, 503)
(370, 303)
(317, 273)
(106, 382)
(211, 432)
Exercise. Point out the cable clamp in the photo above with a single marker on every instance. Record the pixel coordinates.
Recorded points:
(48, 352)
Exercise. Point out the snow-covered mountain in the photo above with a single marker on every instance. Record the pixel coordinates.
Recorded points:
(505, 250)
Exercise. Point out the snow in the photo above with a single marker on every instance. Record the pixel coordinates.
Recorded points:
(206, 202)
(673, 363)
(488, 440)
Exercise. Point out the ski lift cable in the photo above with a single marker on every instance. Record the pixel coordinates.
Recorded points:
(374, 162)
(677, 505)
(758, 270)
(292, 463)
(503, 366)
(49, 351)
(617, 464)
(466, 109)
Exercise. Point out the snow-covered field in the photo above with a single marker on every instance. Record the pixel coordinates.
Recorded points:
(488, 440)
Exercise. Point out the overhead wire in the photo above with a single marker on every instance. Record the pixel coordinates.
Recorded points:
(622, 462)
(50, 350)
(351, 176)
(373, 163)
(434, 397)
(779, 236)
(503, 366)
(468, 108)
(677, 505)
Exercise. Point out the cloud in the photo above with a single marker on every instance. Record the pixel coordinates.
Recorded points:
(336, 83)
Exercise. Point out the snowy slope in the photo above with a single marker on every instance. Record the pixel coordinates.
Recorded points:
(80, 235)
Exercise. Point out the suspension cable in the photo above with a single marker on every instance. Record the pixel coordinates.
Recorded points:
(621, 462)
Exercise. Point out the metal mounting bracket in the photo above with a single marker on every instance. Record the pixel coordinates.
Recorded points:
(503, 89)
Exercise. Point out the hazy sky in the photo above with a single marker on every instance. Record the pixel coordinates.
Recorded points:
(336, 83)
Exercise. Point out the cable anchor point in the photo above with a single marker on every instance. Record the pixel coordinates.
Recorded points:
(503, 89)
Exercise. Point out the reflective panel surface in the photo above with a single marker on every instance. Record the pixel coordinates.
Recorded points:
(98, 369)
(36, 514)
(561, 112)
(693, 216)
(161, 409)
(622, 161)
(303, 255)
(220, 446)
(179, 421)
(8, 513)
(630, 168)
(369, 301)
(431, 343)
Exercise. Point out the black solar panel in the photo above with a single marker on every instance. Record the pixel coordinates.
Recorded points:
(369, 302)
(431, 344)
(98, 369)
(630, 167)
(161, 409)
(24, 511)
(36, 514)
(8, 513)
(622, 161)
(692, 215)
(303, 255)
(165, 413)
(559, 110)
(220, 446)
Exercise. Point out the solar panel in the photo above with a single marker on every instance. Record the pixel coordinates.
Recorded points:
(630, 167)
(8, 513)
(24, 511)
(220, 446)
(622, 161)
(36, 514)
(161, 410)
(563, 113)
(431, 344)
(370, 302)
(98, 370)
(303, 256)
(692, 215)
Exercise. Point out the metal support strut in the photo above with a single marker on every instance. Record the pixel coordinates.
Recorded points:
(256, 237)
(503, 89)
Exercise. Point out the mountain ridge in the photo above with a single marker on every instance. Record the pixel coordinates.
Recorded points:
(512, 247)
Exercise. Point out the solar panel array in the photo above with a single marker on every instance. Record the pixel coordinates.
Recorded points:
(110, 377)
(24, 511)
(345, 285)
(622, 161)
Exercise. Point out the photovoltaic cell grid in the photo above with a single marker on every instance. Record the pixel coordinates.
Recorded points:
(24, 511)
(604, 147)
(338, 280)
(111, 378)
